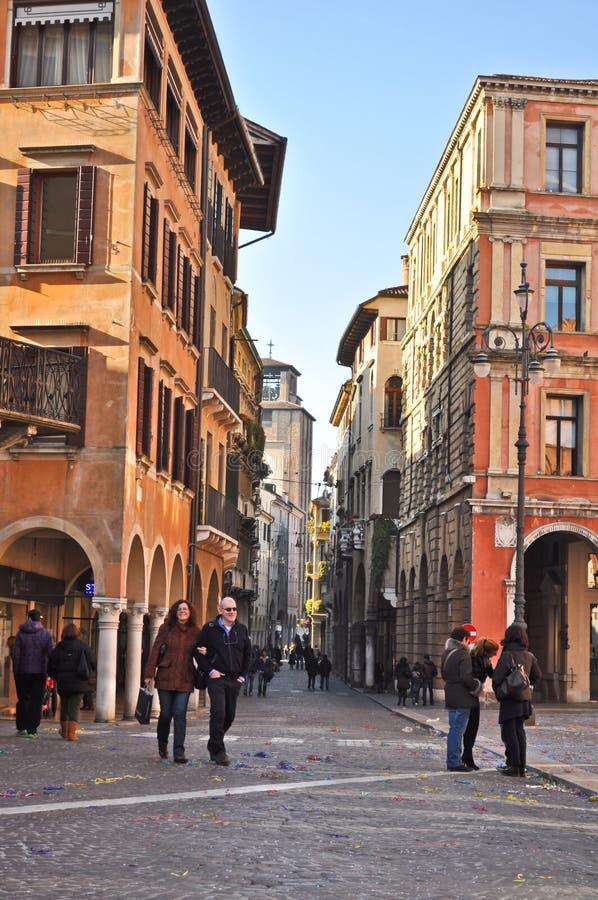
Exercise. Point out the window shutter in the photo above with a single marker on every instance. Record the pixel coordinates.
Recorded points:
(165, 263)
(383, 328)
(190, 456)
(147, 410)
(195, 313)
(186, 311)
(23, 216)
(85, 206)
(140, 400)
(180, 287)
(178, 445)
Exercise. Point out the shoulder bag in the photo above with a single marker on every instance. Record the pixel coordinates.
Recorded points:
(514, 684)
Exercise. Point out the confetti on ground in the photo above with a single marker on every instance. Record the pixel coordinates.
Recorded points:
(182, 875)
(272, 792)
(41, 851)
(287, 766)
(261, 754)
(54, 787)
(314, 757)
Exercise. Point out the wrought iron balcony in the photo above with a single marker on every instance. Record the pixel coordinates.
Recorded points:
(221, 513)
(41, 389)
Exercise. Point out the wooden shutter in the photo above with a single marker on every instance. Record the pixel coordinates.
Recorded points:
(24, 217)
(383, 328)
(190, 456)
(140, 402)
(186, 299)
(180, 284)
(165, 264)
(86, 180)
(178, 440)
(196, 313)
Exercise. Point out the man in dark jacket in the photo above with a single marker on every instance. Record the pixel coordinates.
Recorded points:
(458, 682)
(429, 671)
(226, 661)
(33, 644)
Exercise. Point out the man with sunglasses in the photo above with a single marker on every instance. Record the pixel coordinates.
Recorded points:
(226, 662)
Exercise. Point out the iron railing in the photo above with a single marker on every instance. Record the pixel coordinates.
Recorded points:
(41, 382)
(221, 513)
(220, 377)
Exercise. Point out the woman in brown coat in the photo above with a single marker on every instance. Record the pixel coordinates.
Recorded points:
(171, 664)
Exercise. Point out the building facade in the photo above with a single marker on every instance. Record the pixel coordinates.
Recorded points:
(366, 472)
(517, 182)
(127, 174)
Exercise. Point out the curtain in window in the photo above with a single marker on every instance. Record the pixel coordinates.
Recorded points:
(27, 63)
(53, 55)
(103, 52)
(78, 54)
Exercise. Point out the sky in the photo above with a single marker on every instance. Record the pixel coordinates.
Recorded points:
(367, 94)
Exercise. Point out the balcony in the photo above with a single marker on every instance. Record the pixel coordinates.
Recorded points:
(42, 392)
(220, 394)
(218, 532)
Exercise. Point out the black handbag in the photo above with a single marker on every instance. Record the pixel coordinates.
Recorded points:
(83, 671)
(163, 647)
(200, 678)
(514, 684)
(143, 710)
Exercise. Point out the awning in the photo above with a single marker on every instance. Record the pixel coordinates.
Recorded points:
(58, 13)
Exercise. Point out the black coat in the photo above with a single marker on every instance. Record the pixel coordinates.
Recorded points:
(458, 678)
(229, 654)
(64, 663)
(509, 707)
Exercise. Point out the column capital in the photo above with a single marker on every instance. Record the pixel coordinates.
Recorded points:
(158, 612)
(138, 609)
(109, 607)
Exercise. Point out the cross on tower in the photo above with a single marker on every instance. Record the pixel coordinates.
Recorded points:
(270, 346)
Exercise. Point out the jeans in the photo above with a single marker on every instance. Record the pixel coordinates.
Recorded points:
(324, 682)
(173, 705)
(458, 719)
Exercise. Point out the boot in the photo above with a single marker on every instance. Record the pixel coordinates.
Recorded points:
(72, 731)
(64, 728)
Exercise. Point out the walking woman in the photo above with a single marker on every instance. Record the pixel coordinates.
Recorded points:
(481, 668)
(170, 664)
(514, 711)
(72, 665)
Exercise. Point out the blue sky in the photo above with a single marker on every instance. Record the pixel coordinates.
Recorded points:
(367, 95)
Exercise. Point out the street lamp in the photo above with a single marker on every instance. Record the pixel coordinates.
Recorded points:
(532, 351)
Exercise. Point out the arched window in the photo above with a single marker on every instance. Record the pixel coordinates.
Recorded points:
(393, 390)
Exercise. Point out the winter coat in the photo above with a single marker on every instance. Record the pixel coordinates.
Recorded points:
(403, 673)
(33, 644)
(325, 666)
(63, 666)
(455, 669)
(510, 708)
(229, 654)
(429, 669)
(311, 664)
(175, 670)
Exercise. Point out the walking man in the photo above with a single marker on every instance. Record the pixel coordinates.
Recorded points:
(459, 681)
(33, 644)
(226, 661)
(429, 671)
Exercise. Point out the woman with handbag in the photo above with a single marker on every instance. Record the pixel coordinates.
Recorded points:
(170, 663)
(481, 668)
(515, 707)
(72, 664)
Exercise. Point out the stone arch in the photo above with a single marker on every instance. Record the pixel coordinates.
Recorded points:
(177, 580)
(213, 596)
(157, 593)
(18, 529)
(135, 577)
(571, 527)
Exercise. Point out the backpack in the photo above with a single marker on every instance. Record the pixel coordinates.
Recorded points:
(515, 683)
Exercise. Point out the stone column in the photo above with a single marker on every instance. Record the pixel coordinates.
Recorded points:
(370, 653)
(157, 616)
(109, 610)
(135, 613)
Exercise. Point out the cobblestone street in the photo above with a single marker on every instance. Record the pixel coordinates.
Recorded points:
(330, 795)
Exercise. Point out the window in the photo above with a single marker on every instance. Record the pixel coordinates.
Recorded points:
(392, 329)
(164, 414)
(169, 257)
(561, 436)
(178, 440)
(391, 493)
(152, 59)
(190, 161)
(66, 43)
(150, 236)
(54, 216)
(190, 456)
(392, 402)
(563, 157)
(174, 99)
(563, 297)
(271, 386)
(145, 382)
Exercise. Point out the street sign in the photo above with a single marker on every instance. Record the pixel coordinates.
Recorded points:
(473, 631)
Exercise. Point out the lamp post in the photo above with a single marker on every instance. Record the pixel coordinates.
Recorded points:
(532, 351)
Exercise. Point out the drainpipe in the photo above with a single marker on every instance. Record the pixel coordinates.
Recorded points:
(196, 503)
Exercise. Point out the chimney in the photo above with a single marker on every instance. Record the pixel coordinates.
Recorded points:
(405, 270)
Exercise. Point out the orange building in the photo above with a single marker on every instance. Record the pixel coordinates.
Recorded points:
(126, 174)
(517, 181)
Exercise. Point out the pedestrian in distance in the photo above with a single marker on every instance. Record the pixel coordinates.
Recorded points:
(265, 669)
(403, 676)
(72, 664)
(514, 710)
(379, 677)
(311, 667)
(416, 683)
(429, 672)
(251, 672)
(31, 649)
(456, 671)
(170, 666)
(292, 659)
(481, 652)
(324, 670)
(226, 662)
